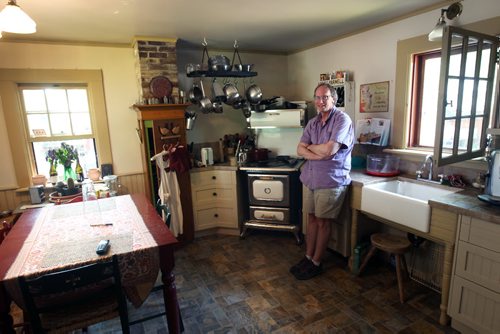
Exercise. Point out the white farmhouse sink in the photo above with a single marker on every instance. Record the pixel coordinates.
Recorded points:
(403, 201)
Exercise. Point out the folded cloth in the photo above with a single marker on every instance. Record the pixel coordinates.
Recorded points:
(179, 160)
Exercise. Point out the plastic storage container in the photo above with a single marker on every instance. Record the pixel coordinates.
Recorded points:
(382, 165)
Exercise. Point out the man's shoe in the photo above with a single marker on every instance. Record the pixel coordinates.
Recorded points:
(310, 271)
(299, 266)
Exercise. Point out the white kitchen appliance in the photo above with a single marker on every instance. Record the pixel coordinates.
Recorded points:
(207, 156)
(278, 118)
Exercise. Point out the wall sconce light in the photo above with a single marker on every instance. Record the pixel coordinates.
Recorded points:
(453, 11)
(13, 19)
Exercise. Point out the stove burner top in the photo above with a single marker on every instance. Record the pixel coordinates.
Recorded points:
(280, 162)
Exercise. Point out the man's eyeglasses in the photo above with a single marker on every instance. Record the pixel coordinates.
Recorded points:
(322, 98)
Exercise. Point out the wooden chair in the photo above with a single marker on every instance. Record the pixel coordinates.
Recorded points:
(76, 298)
(391, 244)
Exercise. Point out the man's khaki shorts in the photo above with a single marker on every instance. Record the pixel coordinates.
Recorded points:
(324, 203)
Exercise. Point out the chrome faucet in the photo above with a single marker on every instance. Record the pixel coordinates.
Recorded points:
(424, 164)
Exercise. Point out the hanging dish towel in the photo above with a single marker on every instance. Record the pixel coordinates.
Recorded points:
(169, 193)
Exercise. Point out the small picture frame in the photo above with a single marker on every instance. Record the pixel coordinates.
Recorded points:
(324, 77)
(374, 97)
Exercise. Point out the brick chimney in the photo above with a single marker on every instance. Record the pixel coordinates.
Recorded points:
(155, 57)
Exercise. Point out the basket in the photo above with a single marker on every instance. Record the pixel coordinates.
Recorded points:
(426, 265)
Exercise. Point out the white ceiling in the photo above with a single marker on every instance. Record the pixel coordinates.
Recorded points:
(259, 25)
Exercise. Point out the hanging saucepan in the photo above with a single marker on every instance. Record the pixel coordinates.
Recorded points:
(247, 109)
(195, 94)
(254, 94)
(217, 92)
(217, 107)
(231, 92)
(205, 103)
(238, 103)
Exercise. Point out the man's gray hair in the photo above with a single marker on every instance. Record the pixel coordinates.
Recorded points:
(332, 89)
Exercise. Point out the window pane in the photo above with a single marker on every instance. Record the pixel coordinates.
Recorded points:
(38, 125)
(481, 97)
(77, 100)
(60, 124)
(452, 98)
(61, 103)
(56, 100)
(470, 65)
(476, 137)
(86, 153)
(449, 133)
(467, 97)
(454, 69)
(485, 60)
(34, 100)
(463, 136)
(81, 124)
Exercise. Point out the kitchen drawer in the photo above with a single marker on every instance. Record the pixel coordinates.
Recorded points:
(213, 178)
(481, 233)
(213, 195)
(479, 265)
(475, 306)
(215, 217)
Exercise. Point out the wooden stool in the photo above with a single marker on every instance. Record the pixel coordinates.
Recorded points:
(391, 244)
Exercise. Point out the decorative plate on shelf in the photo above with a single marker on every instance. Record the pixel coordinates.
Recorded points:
(160, 86)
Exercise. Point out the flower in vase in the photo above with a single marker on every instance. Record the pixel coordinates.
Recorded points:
(66, 154)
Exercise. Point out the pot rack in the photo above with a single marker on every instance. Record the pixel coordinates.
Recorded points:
(221, 74)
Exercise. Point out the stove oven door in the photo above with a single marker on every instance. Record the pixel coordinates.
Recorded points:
(270, 215)
(269, 190)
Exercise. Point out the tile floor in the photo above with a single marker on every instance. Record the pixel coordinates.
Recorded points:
(228, 285)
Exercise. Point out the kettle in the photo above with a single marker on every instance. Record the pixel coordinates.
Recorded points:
(493, 184)
(207, 156)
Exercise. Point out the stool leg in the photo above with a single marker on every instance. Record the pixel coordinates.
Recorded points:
(367, 257)
(405, 267)
(400, 278)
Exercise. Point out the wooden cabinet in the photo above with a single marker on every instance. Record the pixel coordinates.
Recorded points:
(475, 290)
(153, 122)
(215, 199)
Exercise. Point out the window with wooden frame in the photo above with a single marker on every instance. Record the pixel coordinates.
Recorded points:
(451, 96)
(58, 113)
(20, 132)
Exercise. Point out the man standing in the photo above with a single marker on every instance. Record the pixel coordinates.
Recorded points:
(326, 144)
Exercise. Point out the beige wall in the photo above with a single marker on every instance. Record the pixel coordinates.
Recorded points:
(371, 55)
(120, 89)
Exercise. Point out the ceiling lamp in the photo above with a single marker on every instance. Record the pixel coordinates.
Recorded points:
(13, 19)
(453, 11)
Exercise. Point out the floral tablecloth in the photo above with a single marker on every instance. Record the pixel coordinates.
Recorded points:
(66, 236)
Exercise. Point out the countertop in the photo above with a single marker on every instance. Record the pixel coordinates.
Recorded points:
(464, 202)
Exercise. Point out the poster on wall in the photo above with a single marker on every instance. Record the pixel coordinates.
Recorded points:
(374, 97)
(373, 131)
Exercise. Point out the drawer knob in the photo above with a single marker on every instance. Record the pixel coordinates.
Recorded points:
(215, 194)
(214, 177)
(216, 215)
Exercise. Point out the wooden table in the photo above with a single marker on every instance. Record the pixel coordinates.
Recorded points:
(137, 232)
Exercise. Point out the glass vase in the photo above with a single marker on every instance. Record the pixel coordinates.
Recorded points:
(69, 173)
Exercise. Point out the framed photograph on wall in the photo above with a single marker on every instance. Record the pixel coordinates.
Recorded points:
(374, 97)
